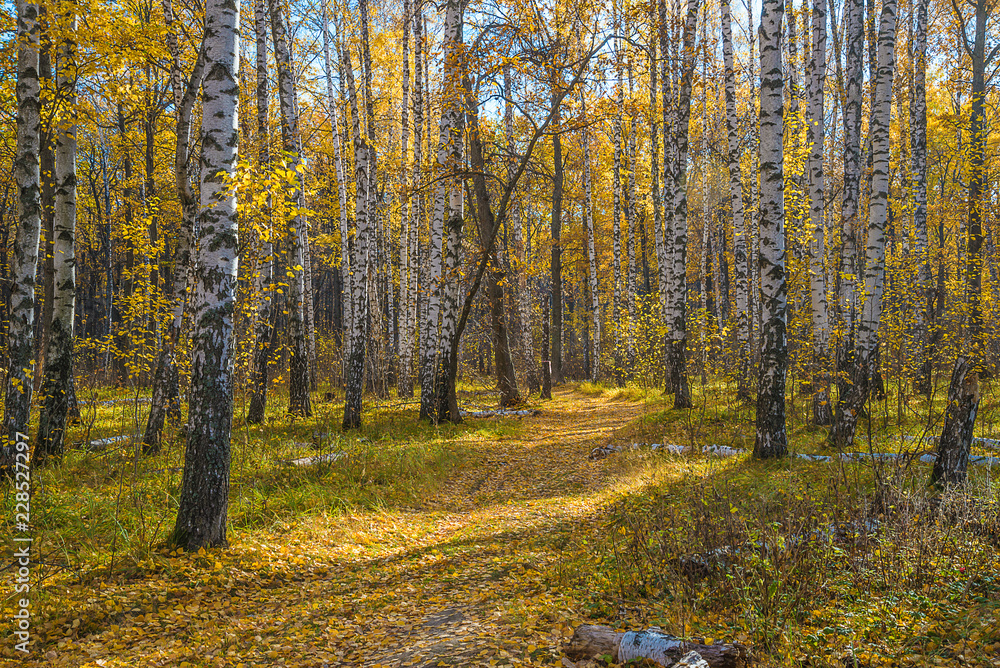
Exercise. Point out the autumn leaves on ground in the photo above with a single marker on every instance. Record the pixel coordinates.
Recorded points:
(486, 543)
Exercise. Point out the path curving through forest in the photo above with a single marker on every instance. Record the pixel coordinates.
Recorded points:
(468, 576)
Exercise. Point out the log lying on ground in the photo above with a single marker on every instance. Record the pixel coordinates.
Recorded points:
(590, 640)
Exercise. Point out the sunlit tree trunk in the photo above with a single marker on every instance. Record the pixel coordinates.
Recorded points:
(417, 205)
(58, 372)
(771, 437)
(24, 259)
(588, 223)
(678, 231)
(619, 202)
(452, 119)
(851, 405)
(404, 382)
(338, 164)
(816, 136)
(204, 498)
(741, 273)
(354, 385)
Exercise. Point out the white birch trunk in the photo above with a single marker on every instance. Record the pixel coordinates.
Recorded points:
(24, 260)
(771, 438)
(588, 223)
(816, 136)
(918, 138)
(404, 385)
(740, 268)
(631, 216)
(619, 202)
(452, 118)
(204, 499)
(58, 373)
(359, 261)
(417, 206)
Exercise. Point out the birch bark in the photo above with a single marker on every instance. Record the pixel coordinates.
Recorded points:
(204, 499)
(58, 373)
(851, 405)
(24, 258)
(742, 277)
(771, 438)
(816, 137)
(359, 261)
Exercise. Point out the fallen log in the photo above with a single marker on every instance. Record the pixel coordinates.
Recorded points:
(590, 640)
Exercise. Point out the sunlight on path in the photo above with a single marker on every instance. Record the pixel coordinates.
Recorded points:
(462, 579)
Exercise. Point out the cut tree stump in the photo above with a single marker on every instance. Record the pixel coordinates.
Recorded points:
(590, 640)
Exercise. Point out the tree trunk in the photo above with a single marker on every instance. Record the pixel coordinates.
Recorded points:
(852, 185)
(404, 379)
(522, 260)
(678, 232)
(918, 152)
(588, 222)
(740, 266)
(296, 236)
(591, 640)
(816, 136)
(24, 260)
(771, 438)
(619, 203)
(417, 207)
(58, 374)
(558, 170)
(354, 385)
(851, 405)
(204, 498)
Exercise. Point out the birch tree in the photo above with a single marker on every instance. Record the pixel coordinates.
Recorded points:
(852, 183)
(816, 137)
(404, 384)
(918, 169)
(588, 223)
(678, 219)
(771, 438)
(354, 382)
(24, 258)
(204, 498)
(58, 373)
(741, 273)
(851, 404)
(295, 239)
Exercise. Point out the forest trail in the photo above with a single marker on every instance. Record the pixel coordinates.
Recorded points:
(470, 576)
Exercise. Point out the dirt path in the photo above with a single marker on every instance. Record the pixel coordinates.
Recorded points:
(470, 577)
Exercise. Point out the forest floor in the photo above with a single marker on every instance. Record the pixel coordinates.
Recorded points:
(520, 538)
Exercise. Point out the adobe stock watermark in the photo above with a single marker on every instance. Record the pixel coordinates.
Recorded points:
(22, 544)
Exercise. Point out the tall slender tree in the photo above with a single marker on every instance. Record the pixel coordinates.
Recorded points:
(204, 499)
(816, 138)
(771, 438)
(24, 260)
(58, 373)
(295, 239)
